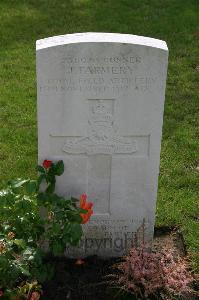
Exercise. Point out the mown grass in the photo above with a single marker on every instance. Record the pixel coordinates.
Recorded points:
(22, 22)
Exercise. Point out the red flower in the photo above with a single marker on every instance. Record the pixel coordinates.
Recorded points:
(35, 296)
(47, 163)
(79, 262)
(86, 206)
(1, 293)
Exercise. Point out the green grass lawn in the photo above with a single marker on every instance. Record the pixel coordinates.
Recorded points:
(22, 22)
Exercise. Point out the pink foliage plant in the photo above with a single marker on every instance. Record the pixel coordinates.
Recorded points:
(144, 273)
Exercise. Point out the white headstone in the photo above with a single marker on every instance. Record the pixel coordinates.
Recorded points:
(100, 110)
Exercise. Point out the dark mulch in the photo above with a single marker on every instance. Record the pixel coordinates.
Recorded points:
(79, 282)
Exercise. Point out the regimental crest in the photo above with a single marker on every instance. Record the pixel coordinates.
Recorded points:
(102, 137)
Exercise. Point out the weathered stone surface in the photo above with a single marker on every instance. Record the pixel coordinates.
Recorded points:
(100, 109)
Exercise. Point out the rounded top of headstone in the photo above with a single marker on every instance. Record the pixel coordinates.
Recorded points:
(100, 37)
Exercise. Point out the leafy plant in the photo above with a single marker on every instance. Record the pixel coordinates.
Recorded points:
(20, 229)
(63, 217)
(48, 172)
(25, 291)
(145, 273)
(24, 230)
(20, 261)
(20, 211)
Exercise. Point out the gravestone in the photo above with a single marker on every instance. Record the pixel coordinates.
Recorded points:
(100, 110)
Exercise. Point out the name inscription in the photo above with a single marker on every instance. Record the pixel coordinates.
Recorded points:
(99, 75)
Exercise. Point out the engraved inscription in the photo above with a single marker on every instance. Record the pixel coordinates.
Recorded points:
(100, 74)
(105, 59)
(98, 83)
(117, 238)
(103, 137)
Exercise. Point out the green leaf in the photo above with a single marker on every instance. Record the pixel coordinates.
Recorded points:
(23, 204)
(42, 197)
(57, 248)
(41, 178)
(31, 258)
(67, 228)
(82, 211)
(60, 215)
(51, 187)
(4, 193)
(28, 251)
(20, 243)
(74, 200)
(6, 227)
(50, 177)
(24, 270)
(74, 217)
(59, 168)
(31, 187)
(70, 206)
(76, 233)
(56, 228)
(17, 182)
(44, 272)
(40, 169)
